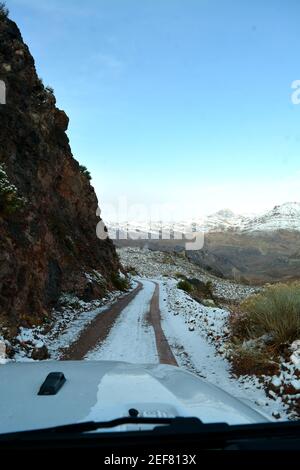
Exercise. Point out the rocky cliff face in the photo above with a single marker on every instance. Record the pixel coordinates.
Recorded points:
(48, 242)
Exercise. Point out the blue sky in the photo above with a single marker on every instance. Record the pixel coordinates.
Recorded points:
(182, 103)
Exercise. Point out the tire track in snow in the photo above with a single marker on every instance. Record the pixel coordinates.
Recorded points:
(130, 330)
(131, 338)
(98, 330)
(165, 353)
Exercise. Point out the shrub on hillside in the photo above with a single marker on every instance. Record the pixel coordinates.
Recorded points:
(202, 290)
(185, 286)
(120, 283)
(275, 312)
(180, 275)
(131, 270)
(4, 12)
(50, 90)
(83, 169)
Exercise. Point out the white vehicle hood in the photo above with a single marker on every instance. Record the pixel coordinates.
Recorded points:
(101, 391)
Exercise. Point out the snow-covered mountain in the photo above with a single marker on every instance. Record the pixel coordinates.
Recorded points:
(285, 216)
(223, 220)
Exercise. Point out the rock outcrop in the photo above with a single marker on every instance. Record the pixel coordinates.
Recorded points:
(48, 242)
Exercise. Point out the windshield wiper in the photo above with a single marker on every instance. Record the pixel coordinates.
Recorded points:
(177, 425)
(89, 426)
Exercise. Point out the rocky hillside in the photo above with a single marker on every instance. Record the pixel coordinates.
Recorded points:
(48, 242)
(254, 258)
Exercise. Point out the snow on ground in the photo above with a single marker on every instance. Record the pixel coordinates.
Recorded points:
(155, 264)
(196, 335)
(132, 338)
(67, 324)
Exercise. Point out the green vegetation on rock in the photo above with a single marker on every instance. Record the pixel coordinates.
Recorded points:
(83, 169)
(10, 201)
(4, 11)
(185, 286)
(120, 283)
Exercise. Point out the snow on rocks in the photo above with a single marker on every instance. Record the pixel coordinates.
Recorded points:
(286, 385)
(97, 277)
(69, 323)
(276, 382)
(40, 343)
(296, 385)
(209, 321)
(156, 264)
(3, 358)
(199, 334)
(198, 337)
(295, 357)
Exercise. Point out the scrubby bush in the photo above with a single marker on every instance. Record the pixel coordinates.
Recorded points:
(50, 90)
(167, 259)
(202, 290)
(185, 286)
(83, 169)
(180, 275)
(239, 324)
(275, 312)
(120, 283)
(4, 12)
(131, 270)
(10, 201)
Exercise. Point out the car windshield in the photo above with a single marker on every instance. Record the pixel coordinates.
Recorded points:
(149, 212)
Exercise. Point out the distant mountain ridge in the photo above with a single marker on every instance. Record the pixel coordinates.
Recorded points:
(249, 249)
(281, 217)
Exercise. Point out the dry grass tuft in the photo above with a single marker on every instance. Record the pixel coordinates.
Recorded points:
(274, 312)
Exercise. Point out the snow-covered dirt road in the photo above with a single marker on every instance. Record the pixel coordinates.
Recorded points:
(96, 331)
(130, 330)
(132, 337)
(158, 323)
(177, 330)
